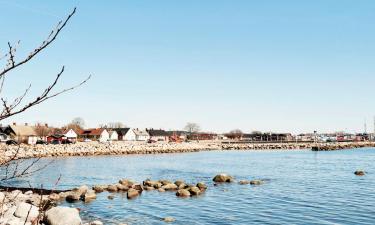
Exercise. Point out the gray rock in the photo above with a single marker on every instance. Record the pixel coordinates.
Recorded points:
(26, 211)
(90, 195)
(62, 216)
(244, 182)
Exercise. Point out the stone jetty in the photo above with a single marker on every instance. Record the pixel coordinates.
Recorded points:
(127, 148)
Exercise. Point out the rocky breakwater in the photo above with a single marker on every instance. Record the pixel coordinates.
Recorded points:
(342, 146)
(96, 148)
(265, 146)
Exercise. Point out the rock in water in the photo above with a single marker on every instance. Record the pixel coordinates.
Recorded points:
(202, 186)
(98, 188)
(90, 195)
(244, 182)
(179, 182)
(26, 212)
(62, 216)
(54, 197)
(112, 188)
(194, 190)
(132, 193)
(73, 196)
(359, 173)
(169, 219)
(126, 182)
(183, 193)
(256, 182)
(221, 178)
(169, 187)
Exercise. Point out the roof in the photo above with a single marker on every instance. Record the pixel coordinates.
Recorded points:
(140, 132)
(121, 131)
(23, 130)
(112, 132)
(93, 132)
(153, 132)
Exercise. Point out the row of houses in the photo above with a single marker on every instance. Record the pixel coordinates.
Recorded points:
(33, 134)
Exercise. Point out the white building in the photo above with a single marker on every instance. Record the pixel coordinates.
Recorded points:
(113, 136)
(141, 135)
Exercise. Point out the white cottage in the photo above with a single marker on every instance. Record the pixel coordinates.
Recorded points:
(141, 135)
(98, 134)
(113, 135)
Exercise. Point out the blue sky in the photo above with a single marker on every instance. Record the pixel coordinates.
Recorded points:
(284, 66)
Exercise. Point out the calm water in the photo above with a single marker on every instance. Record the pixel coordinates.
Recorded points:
(305, 187)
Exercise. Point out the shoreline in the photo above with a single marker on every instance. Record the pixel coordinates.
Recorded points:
(136, 148)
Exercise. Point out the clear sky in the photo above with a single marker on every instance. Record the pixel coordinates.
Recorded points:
(284, 66)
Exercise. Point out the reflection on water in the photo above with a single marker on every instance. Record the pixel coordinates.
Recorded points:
(304, 187)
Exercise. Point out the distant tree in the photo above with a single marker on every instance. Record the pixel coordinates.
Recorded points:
(235, 134)
(114, 125)
(42, 129)
(192, 128)
(78, 122)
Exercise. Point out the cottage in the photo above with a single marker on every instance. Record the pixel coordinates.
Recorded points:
(97, 134)
(125, 134)
(158, 135)
(141, 135)
(21, 133)
(113, 135)
(63, 134)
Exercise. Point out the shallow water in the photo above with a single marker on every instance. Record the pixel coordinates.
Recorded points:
(305, 187)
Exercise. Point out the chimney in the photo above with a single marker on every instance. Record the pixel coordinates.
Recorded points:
(14, 124)
(26, 124)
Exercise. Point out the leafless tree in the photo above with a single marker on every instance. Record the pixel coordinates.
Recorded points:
(114, 125)
(235, 134)
(192, 128)
(13, 166)
(79, 122)
(42, 130)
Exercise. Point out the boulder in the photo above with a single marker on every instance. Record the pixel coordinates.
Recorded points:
(2, 196)
(256, 182)
(222, 178)
(110, 197)
(81, 190)
(194, 190)
(165, 182)
(148, 188)
(244, 182)
(161, 190)
(121, 187)
(182, 186)
(62, 216)
(99, 188)
(202, 186)
(26, 212)
(96, 222)
(72, 196)
(179, 182)
(138, 187)
(54, 197)
(90, 195)
(360, 173)
(169, 219)
(126, 182)
(183, 193)
(169, 187)
(132, 193)
(112, 188)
